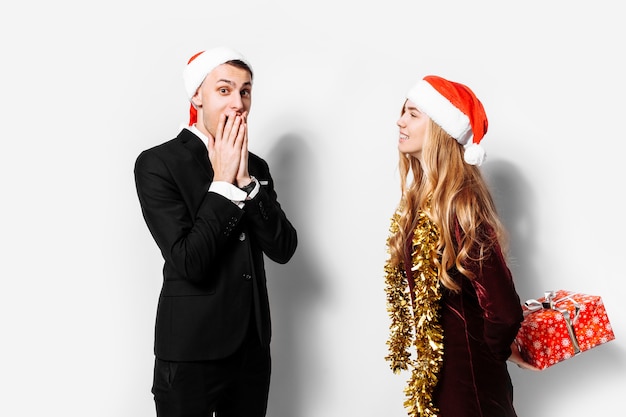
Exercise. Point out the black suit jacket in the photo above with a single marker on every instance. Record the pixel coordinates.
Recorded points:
(213, 276)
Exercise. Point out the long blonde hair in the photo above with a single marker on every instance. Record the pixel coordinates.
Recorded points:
(455, 196)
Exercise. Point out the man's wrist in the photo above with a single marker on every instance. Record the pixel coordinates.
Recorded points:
(249, 187)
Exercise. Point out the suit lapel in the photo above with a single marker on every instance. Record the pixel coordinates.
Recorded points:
(198, 150)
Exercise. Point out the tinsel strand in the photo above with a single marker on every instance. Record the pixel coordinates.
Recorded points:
(418, 326)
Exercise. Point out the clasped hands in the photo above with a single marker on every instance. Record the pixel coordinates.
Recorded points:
(228, 150)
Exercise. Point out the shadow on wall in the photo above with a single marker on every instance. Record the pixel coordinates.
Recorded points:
(514, 200)
(544, 392)
(294, 288)
(571, 384)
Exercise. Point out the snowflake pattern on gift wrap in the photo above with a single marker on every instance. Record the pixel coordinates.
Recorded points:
(544, 338)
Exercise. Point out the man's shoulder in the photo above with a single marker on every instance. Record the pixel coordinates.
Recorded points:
(163, 153)
(172, 147)
(171, 143)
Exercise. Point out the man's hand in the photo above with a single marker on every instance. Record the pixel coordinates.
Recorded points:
(227, 147)
(243, 176)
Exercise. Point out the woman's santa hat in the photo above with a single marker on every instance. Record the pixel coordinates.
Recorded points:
(200, 65)
(455, 108)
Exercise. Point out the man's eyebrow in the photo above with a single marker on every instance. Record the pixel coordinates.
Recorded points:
(232, 83)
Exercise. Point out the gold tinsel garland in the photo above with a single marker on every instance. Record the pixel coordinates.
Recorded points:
(420, 327)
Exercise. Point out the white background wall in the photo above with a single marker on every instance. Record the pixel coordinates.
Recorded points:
(85, 87)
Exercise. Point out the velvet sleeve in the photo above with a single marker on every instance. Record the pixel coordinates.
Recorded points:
(498, 298)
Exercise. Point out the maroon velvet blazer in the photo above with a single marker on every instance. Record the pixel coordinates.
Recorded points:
(480, 323)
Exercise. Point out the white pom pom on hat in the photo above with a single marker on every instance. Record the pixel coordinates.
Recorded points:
(201, 64)
(455, 108)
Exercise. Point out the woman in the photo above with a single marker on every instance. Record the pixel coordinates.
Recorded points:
(449, 290)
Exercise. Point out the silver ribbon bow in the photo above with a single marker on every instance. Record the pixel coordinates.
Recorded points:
(549, 303)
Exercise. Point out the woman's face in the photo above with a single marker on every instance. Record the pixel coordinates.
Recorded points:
(413, 126)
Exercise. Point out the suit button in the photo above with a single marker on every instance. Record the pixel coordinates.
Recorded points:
(247, 277)
(242, 236)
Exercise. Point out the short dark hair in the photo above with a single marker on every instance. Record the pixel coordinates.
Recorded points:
(240, 64)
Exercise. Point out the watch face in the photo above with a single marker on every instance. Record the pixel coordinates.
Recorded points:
(248, 188)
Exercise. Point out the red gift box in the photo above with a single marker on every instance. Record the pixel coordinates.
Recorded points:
(561, 325)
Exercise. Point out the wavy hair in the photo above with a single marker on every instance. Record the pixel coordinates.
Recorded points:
(456, 197)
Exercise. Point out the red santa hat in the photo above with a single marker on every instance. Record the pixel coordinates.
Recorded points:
(200, 65)
(455, 108)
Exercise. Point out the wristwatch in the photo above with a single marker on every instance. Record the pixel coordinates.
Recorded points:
(248, 188)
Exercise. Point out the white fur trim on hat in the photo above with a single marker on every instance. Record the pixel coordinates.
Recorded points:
(441, 111)
(474, 154)
(196, 71)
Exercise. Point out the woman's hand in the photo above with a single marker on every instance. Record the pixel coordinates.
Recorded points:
(516, 358)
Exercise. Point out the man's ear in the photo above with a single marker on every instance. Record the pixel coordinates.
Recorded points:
(196, 100)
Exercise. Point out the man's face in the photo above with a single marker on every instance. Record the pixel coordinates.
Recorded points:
(225, 90)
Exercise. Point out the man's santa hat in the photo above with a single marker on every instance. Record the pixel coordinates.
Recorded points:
(455, 108)
(200, 65)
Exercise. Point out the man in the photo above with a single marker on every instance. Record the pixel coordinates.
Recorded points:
(213, 212)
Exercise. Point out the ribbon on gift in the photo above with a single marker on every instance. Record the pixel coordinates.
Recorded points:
(549, 303)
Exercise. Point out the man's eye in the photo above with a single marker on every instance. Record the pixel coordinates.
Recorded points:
(245, 93)
(223, 90)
